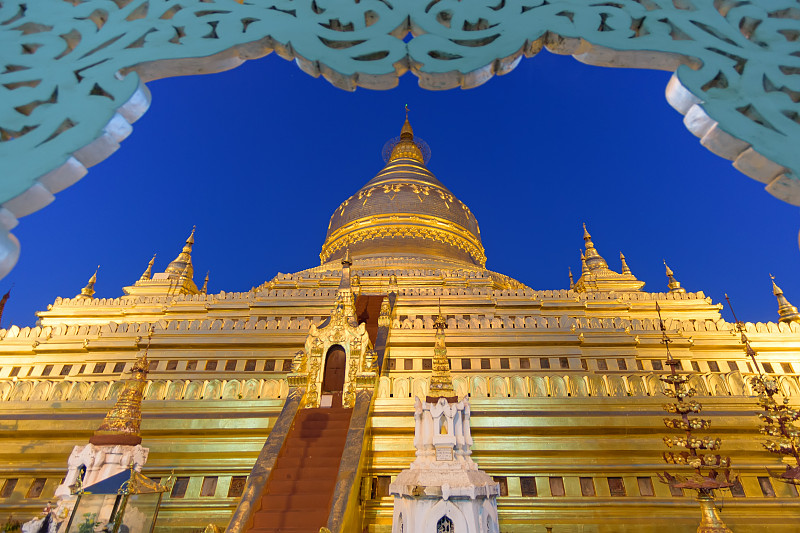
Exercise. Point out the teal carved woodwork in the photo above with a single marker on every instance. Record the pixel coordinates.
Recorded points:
(73, 72)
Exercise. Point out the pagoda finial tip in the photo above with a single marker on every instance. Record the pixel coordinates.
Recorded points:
(674, 285)
(407, 132)
(625, 268)
(204, 290)
(786, 311)
(88, 291)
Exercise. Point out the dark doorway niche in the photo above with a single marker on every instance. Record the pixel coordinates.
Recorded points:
(333, 379)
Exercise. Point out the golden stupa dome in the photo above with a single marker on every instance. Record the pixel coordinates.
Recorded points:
(404, 211)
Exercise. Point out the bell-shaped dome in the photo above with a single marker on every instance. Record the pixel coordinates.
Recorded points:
(404, 210)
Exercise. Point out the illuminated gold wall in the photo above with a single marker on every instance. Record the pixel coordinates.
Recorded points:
(218, 379)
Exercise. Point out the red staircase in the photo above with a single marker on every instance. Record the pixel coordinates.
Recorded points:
(297, 498)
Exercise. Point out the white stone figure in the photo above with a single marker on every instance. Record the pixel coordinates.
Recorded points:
(443, 491)
(37, 524)
(101, 462)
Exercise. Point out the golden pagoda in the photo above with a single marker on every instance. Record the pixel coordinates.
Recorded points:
(674, 285)
(176, 279)
(122, 424)
(441, 383)
(787, 312)
(88, 291)
(596, 276)
(243, 389)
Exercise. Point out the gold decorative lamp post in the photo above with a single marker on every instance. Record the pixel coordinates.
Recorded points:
(710, 470)
(778, 417)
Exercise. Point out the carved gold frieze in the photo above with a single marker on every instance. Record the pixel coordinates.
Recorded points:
(403, 225)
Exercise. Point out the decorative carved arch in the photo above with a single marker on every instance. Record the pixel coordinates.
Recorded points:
(231, 390)
(175, 390)
(40, 391)
(578, 387)
(717, 386)
(79, 69)
(518, 387)
(698, 384)
(736, 384)
(636, 386)
(448, 509)
(597, 385)
(558, 388)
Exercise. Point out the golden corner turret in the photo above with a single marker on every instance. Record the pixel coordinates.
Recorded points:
(788, 313)
(441, 380)
(674, 285)
(597, 277)
(148, 273)
(404, 211)
(87, 292)
(204, 288)
(175, 280)
(123, 422)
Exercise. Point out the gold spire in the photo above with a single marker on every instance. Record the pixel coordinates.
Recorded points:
(441, 381)
(123, 422)
(597, 277)
(184, 259)
(407, 132)
(204, 290)
(406, 148)
(674, 285)
(625, 269)
(593, 259)
(571, 281)
(177, 278)
(88, 291)
(147, 274)
(584, 267)
(786, 310)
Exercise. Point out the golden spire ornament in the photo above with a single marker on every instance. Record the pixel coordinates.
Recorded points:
(674, 285)
(204, 290)
(184, 259)
(593, 258)
(123, 422)
(88, 291)
(148, 273)
(441, 381)
(625, 269)
(787, 312)
(584, 266)
(406, 148)
(703, 481)
(571, 281)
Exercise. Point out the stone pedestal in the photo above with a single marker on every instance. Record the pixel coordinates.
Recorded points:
(443, 490)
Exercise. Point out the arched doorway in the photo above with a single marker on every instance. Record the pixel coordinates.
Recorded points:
(333, 379)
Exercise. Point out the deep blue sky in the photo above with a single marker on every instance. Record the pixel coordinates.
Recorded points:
(260, 156)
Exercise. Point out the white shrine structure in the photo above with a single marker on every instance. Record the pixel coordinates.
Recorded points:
(114, 448)
(443, 491)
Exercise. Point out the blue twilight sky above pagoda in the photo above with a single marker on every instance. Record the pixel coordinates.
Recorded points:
(259, 157)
